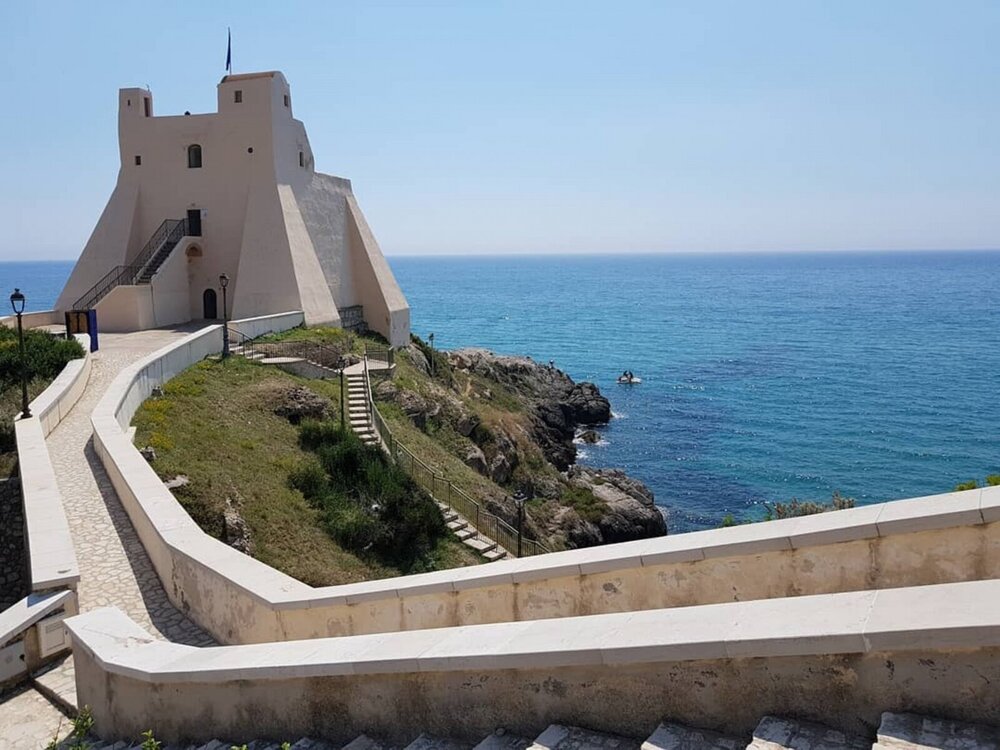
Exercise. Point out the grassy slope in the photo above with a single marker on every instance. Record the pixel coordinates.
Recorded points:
(214, 424)
(440, 446)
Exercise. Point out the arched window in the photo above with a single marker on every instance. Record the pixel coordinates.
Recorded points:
(194, 156)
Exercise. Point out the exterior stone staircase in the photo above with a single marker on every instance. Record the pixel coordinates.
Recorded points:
(358, 414)
(897, 731)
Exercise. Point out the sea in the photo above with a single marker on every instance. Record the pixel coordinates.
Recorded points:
(765, 378)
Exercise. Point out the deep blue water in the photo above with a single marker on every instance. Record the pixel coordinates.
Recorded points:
(765, 377)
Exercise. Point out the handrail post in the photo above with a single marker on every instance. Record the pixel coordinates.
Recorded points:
(343, 425)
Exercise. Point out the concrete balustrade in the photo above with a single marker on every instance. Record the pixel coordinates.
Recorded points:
(938, 539)
(52, 560)
(35, 319)
(839, 659)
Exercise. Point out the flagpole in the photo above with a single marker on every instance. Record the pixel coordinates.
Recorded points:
(229, 51)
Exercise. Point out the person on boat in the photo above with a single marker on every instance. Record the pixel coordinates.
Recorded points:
(625, 376)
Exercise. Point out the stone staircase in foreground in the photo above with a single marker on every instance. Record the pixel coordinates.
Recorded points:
(897, 731)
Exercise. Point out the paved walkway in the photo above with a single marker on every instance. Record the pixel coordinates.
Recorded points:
(114, 567)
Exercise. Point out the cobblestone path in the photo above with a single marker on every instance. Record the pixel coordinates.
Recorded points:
(114, 567)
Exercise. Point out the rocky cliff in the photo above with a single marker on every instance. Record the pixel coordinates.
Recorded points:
(514, 421)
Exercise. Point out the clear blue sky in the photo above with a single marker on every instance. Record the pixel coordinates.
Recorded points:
(480, 127)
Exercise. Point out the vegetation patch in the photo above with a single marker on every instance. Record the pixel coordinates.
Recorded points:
(586, 504)
(45, 356)
(369, 506)
(215, 425)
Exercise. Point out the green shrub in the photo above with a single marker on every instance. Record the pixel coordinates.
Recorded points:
(45, 355)
(370, 506)
(309, 479)
(796, 507)
(993, 480)
(586, 504)
(970, 485)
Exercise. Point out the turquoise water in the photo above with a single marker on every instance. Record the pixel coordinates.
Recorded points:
(765, 377)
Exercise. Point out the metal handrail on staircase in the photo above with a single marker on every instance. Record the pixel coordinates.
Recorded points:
(171, 230)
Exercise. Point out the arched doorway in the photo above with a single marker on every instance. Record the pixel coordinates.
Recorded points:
(209, 304)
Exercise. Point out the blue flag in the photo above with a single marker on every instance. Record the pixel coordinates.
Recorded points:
(229, 51)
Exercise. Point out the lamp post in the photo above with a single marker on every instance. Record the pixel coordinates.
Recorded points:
(431, 339)
(224, 282)
(519, 500)
(17, 302)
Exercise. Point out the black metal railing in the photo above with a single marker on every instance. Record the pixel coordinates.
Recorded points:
(443, 490)
(143, 266)
(318, 354)
(241, 343)
(352, 318)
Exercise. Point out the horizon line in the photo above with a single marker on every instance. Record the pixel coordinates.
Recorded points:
(633, 253)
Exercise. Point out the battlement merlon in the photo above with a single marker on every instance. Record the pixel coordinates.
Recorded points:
(254, 107)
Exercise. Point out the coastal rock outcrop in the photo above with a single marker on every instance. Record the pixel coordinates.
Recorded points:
(630, 512)
(514, 421)
(560, 404)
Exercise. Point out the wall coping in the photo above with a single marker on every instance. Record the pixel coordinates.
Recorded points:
(938, 617)
(34, 319)
(52, 559)
(23, 614)
(185, 540)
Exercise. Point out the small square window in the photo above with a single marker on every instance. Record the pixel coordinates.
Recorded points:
(286, 100)
(238, 96)
(138, 160)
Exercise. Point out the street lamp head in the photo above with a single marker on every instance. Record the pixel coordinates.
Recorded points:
(223, 280)
(17, 302)
(520, 498)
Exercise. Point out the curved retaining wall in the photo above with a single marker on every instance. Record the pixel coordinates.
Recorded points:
(938, 539)
(839, 659)
(52, 560)
(34, 319)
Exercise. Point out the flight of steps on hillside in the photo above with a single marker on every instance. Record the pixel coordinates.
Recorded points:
(468, 536)
(896, 732)
(358, 414)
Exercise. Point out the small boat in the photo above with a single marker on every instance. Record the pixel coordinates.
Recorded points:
(629, 381)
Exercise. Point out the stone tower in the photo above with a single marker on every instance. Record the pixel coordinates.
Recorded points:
(233, 192)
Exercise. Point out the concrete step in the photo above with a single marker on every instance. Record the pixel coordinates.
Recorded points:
(495, 554)
(501, 739)
(482, 546)
(560, 737)
(777, 733)
(917, 732)
(449, 516)
(364, 742)
(429, 742)
(670, 736)
(457, 524)
(467, 533)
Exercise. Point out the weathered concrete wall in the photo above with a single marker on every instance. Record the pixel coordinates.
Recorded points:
(839, 659)
(13, 557)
